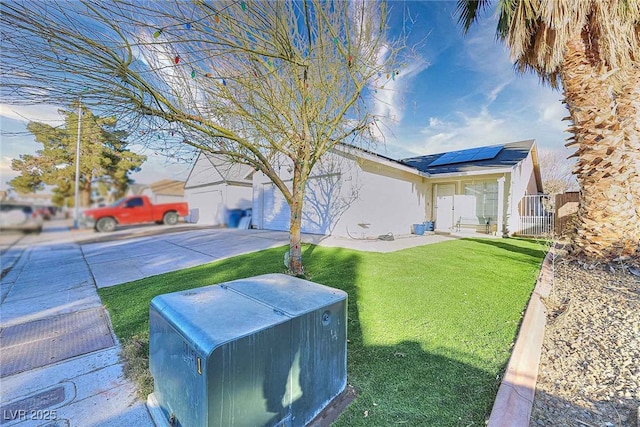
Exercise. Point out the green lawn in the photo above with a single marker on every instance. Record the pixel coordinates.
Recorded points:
(430, 328)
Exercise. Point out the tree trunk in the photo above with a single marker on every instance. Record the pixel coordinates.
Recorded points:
(295, 239)
(607, 214)
(85, 192)
(628, 100)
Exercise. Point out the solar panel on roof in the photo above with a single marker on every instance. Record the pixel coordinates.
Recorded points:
(469, 155)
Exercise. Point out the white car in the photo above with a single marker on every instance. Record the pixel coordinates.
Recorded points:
(20, 216)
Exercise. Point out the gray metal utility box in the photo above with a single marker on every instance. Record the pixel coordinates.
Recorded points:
(265, 351)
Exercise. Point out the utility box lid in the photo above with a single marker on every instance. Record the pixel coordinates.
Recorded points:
(216, 314)
(287, 294)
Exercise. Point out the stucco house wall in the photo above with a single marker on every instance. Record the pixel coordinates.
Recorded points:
(347, 194)
(389, 200)
(524, 181)
(480, 184)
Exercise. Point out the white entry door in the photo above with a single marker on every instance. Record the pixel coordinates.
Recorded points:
(444, 207)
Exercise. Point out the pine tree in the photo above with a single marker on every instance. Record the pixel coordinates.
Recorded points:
(104, 158)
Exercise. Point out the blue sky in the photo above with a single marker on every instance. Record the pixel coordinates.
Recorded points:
(458, 92)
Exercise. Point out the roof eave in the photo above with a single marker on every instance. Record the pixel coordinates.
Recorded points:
(357, 152)
(470, 173)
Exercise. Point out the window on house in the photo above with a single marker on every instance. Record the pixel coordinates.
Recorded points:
(486, 195)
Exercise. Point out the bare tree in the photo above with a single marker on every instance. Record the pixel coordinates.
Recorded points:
(555, 169)
(254, 81)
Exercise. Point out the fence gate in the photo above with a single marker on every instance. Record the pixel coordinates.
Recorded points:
(536, 216)
(565, 210)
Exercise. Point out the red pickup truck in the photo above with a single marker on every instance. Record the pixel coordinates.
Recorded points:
(132, 210)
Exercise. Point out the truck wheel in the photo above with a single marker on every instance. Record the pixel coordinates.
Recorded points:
(170, 218)
(106, 224)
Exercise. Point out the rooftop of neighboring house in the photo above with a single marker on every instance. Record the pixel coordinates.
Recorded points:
(472, 159)
(168, 187)
(35, 198)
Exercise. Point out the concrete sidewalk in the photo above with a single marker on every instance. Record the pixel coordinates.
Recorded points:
(59, 364)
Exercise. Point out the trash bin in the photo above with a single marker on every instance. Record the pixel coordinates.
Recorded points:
(234, 218)
(418, 229)
(430, 226)
(264, 351)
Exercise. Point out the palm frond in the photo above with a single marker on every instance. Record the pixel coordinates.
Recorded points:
(468, 12)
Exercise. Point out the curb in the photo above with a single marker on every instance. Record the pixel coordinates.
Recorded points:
(514, 401)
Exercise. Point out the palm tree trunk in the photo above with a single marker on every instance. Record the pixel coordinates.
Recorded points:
(628, 100)
(608, 211)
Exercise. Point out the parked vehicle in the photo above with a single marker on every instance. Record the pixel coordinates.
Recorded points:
(132, 210)
(46, 212)
(20, 216)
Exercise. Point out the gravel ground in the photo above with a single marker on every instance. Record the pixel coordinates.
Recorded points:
(590, 364)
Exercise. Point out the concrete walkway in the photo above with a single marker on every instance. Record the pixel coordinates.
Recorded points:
(60, 359)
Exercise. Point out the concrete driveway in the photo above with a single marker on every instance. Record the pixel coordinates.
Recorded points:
(119, 261)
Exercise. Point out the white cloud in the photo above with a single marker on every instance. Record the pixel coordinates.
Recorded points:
(6, 173)
(389, 97)
(465, 131)
(32, 113)
(493, 93)
(158, 167)
(5, 164)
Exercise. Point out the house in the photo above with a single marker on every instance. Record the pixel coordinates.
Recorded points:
(165, 191)
(356, 193)
(215, 187)
(38, 199)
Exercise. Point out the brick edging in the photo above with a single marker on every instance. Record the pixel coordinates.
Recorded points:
(514, 401)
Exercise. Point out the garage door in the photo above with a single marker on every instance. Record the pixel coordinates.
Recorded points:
(316, 218)
(206, 206)
(275, 210)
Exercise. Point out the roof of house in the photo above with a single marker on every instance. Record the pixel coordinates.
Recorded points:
(168, 187)
(508, 156)
(230, 171)
(372, 155)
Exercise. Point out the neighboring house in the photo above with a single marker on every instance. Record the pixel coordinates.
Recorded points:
(360, 194)
(37, 199)
(214, 187)
(165, 191)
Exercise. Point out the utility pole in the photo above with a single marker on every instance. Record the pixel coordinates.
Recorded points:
(76, 207)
